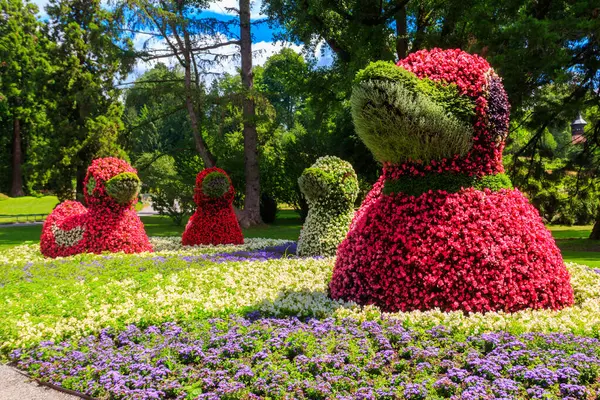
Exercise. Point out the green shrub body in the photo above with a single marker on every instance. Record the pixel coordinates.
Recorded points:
(330, 187)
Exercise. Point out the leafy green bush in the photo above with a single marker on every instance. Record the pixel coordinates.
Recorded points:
(562, 196)
(330, 187)
(172, 192)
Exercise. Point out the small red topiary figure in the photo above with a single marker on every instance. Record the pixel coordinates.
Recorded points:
(214, 221)
(110, 223)
(443, 227)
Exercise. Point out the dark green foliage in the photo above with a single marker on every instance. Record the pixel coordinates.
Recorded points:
(215, 185)
(268, 208)
(561, 194)
(91, 52)
(451, 183)
(25, 76)
(123, 187)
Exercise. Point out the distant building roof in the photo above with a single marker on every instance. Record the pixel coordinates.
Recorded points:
(579, 121)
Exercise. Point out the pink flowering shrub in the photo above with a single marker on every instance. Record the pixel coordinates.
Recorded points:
(109, 223)
(214, 221)
(451, 233)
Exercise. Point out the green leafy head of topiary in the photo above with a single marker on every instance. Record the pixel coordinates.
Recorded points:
(329, 178)
(215, 185)
(400, 117)
(123, 188)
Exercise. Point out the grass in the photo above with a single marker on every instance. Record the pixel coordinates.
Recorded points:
(26, 205)
(287, 226)
(572, 240)
(12, 207)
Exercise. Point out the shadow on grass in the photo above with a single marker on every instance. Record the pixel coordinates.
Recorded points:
(301, 303)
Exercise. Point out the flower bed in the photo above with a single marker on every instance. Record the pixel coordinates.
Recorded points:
(143, 326)
(285, 358)
(72, 297)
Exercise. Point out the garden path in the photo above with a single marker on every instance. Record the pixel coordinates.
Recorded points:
(16, 386)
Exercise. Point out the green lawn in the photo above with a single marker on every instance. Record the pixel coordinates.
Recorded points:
(287, 226)
(30, 205)
(572, 240)
(575, 245)
(26, 205)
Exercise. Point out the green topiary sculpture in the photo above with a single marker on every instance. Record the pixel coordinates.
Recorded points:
(330, 186)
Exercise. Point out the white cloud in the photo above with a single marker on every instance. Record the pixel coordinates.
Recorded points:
(41, 4)
(229, 63)
(221, 7)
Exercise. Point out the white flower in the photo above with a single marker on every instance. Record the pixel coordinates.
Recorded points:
(330, 187)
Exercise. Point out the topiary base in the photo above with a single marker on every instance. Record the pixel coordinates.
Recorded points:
(473, 250)
(212, 227)
(72, 229)
(214, 221)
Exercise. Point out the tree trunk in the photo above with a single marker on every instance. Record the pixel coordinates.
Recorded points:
(595, 235)
(251, 213)
(401, 34)
(201, 147)
(16, 189)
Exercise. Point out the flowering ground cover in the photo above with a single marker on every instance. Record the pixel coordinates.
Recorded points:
(144, 311)
(241, 358)
(56, 299)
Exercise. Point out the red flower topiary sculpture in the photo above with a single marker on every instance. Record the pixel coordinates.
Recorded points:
(109, 223)
(214, 221)
(443, 227)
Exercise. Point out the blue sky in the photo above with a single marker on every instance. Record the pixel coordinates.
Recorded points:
(264, 43)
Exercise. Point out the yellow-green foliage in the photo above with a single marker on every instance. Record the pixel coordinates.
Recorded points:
(448, 96)
(400, 117)
(123, 187)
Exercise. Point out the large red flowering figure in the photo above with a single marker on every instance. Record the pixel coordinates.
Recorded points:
(443, 227)
(214, 221)
(110, 223)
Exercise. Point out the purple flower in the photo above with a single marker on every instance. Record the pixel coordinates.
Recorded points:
(575, 391)
(415, 391)
(262, 357)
